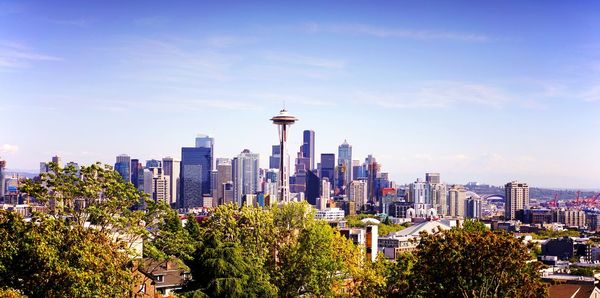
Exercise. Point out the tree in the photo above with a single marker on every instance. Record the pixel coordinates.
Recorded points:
(221, 270)
(53, 259)
(474, 262)
(86, 244)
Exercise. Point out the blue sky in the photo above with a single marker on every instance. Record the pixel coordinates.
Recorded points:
(479, 91)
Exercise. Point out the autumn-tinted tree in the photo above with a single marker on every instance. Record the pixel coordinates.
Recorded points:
(50, 258)
(474, 262)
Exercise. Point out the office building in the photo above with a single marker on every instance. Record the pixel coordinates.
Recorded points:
(418, 192)
(56, 160)
(2, 178)
(135, 170)
(171, 168)
(373, 169)
(308, 148)
(325, 189)
(123, 166)
(274, 159)
(357, 193)
(224, 175)
(437, 196)
(517, 198)
(161, 187)
(153, 163)
(313, 188)
(473, 208)
(246, 180)
(432, 178)
(344, 165)
(196, 167)
(457, 195)
(328, 167)
(204, 141)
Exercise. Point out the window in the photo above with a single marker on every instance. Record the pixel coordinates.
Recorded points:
(160, 278)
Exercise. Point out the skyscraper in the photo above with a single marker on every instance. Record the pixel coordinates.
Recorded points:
(275, 156)
(153, 163)
(196, 166)
(345, 164)
(456, 198)
(313, 188)
(432, 177)
(2, 178)
(204, 141)
(328, 166)
(224, 175)
(308, 148)
(56, 160)
(283, 120)
(517, 198)
(357, 193)
(135, 171)
(171, 168)
(123, 166)
(246, 180)
(372, 173)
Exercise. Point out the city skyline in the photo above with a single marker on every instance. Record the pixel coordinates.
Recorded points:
(456, 89)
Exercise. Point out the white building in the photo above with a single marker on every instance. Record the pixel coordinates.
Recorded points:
(358, 193)
(246, 178)
(330, 214)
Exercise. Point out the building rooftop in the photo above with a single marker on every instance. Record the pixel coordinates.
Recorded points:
(426, 226)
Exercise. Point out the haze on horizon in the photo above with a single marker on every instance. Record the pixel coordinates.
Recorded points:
(478, 91)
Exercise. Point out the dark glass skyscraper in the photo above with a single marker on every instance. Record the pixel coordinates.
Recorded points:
(313, 188)
(328, 166)
(135, 166)
(123, 167)
(308, 147)
(196, 168)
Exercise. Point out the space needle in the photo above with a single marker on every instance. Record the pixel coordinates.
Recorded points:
(283, 120)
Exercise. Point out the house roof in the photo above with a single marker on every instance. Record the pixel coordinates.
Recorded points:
(426, 226)
(572, 291)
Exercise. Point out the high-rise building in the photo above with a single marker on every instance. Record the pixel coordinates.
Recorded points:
(418, 192)
(517, 198)
(373, 169)
(457, 195)
(246, 180)
(308, 148)
(283, 121)
(123, 166)
(224, 175)
(473, 208)
(2, 178)
(328, 167)
(161, 190)
(147, 181)
(56, 160)
(358, 171)
(345, 164)
(153, 163)
(196, 166)
(313, 188)
(358, 193)
(432, 178)
(325, 190)
(171, 168)
(135, 170)
(204, 141)
(274, 159)
(437, 196)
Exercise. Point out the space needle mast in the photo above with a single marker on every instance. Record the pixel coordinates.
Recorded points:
(283, 120)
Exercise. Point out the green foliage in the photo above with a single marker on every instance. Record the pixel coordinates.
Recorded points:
(474, 263)
(49, 258)
(384, 228)
(582, 271)
(83, 246)
(547, 234)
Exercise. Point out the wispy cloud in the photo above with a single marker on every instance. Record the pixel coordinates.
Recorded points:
(80, 22)
(8, 148)
(388, 32)
(439, 95)
(226, 41)
(306, 60)
(154, 21)
(15, 55)
(591, 94)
